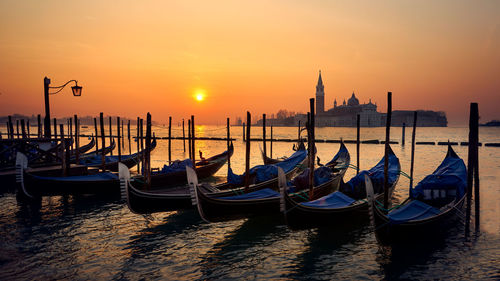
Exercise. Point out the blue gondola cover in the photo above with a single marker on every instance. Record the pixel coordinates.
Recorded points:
(266, 172)
(331, 201)
(376, 175)
(415, 210)
(259, 194)
(448, 180)
(176, 166)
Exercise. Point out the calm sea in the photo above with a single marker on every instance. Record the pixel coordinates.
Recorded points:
(82, 238)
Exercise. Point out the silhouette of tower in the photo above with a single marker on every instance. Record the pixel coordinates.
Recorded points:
(320, 96)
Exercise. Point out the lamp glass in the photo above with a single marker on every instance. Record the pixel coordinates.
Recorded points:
(77, 91)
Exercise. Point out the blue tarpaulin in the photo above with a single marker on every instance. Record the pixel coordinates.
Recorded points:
(376, 174)
(176, 166)
(448, 180)
(259, 194)
(331, 201)
(97, 159)
(321, 175)
(261, 173)
(415, 210)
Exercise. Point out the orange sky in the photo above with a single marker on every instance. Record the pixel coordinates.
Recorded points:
(137, 56)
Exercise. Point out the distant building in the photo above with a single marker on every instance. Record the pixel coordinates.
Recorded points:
(345, 115)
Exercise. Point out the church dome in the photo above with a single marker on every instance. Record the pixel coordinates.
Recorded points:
(353, 100)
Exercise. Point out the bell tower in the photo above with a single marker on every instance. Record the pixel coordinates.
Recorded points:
(320, 96)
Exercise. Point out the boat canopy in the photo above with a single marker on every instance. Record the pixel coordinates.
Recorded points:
(448, 180)
(331, 201)
(414, 210)
(259, 194)
(97, 159)
(376, 174)
(261, 173)
(176, 166)
(321, 175)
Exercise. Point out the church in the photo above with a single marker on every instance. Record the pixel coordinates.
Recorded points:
(345, 115)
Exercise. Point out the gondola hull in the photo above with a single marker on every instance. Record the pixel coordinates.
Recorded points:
(215, 208)
(36, 186)
(178, 197)
(299, 216)
(145, 202)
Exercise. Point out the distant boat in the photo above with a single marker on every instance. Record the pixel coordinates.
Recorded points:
(493, 123)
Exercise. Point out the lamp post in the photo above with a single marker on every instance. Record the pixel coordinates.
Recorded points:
(77, 91)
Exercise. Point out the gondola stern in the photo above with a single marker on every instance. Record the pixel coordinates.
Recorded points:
(192, 180)
(21, 165)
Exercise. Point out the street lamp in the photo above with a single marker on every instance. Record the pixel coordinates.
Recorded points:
(77, 91)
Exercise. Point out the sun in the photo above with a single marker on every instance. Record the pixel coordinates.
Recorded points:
(199, 95)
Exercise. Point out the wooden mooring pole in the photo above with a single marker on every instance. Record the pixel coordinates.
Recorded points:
(128, 136)
(183, 136)
(403, 134)
(228, 143)
(387, 148)
(119, 138)
(271, 143)
(123, 137)
(311, 148)
(189, 140)
(142, 133)
(77, 138)
(103, 142)
(28, 128)
(264, 133)
(55, 128)
(39, 128)
(169, 140)
(11, 128)
(247, 151)
(138, 144)
(96, 136)
(193, 139)
(472, 167)
(413, 148)
(358, 125)
(23, 129)
(110, 133)
(147, 156)
(64, 152)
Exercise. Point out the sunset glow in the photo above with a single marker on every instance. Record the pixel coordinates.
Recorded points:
(259, 56)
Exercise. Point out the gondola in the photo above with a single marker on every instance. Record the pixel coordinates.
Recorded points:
(32, 186)
(111, 162)
(96, 153)
(84, 148)
(267, 201)
(343, 206)
(269, 161)
(140, 200)
(175, 174)
(432, 207)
